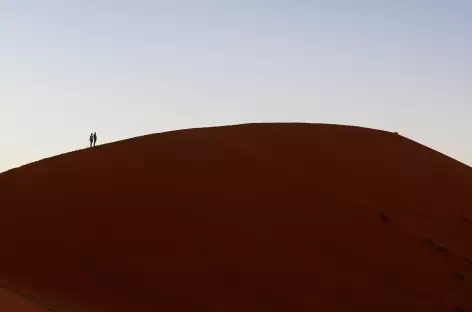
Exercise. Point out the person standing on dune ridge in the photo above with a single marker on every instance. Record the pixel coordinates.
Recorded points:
(94, 139)
(91, 139)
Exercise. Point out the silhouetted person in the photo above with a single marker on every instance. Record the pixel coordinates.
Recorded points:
(91, 139)
(94, 139)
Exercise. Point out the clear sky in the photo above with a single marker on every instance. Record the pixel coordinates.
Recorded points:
(124, 68)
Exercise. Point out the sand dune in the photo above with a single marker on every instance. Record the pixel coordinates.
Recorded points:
(257, 217)
(10, 302)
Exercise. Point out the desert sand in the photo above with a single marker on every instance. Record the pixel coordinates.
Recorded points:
(255, 217)
(11, 302)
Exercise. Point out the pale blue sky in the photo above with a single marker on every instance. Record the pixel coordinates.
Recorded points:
(125, 68)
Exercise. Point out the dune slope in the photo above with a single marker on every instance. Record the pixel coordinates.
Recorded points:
(256, 217)
(10, 302)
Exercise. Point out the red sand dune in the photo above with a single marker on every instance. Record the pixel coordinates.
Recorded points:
(258, 217)
(10, 302)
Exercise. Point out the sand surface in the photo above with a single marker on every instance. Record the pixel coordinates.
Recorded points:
(11, 302)
(258, 217)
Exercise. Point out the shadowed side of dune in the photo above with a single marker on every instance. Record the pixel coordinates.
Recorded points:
(257, 217)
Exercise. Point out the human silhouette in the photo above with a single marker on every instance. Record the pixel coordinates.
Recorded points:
(91, 139)
(94, 139)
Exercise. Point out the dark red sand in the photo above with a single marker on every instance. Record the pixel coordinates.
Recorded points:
(10, 302)
(258, 217)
